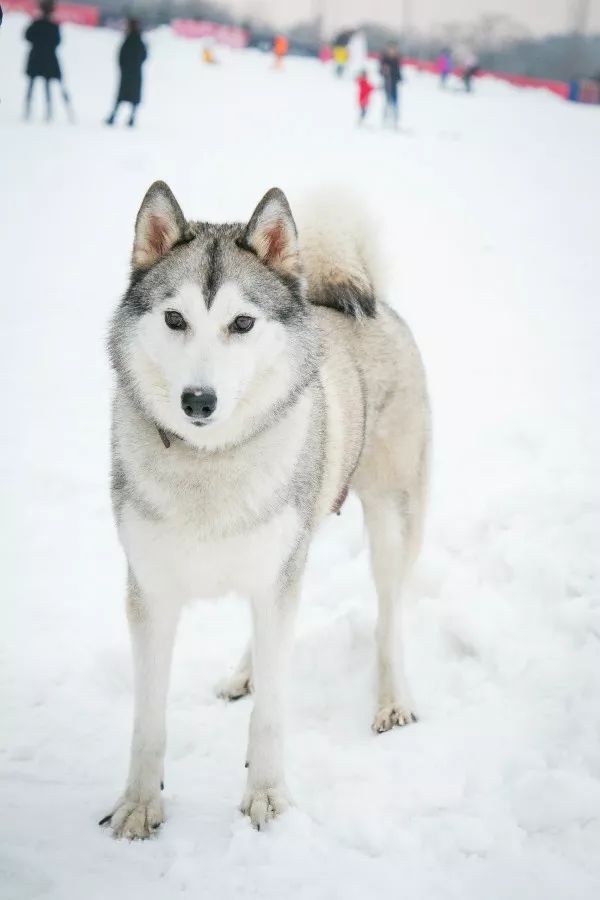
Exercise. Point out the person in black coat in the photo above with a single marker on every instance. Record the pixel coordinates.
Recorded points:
(131, 59)
(44, 37)
(391, 71)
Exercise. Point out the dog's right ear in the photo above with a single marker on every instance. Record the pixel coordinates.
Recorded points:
(160, 224)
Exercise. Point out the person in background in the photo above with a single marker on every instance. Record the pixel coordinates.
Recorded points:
(44, 37)
(340, 59)
(444, 66)
(391, 71)
(280, 48)
(132, 55)
(208, 56)
(358, 52)
(365, 89)
(470, 70)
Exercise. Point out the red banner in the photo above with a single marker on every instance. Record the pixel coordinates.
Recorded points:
(63, 12)
(228, 35)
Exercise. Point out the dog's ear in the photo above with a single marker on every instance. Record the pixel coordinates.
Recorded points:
(160, 224)
(271, 234)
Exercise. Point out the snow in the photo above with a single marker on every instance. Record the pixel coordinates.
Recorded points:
(487, 207)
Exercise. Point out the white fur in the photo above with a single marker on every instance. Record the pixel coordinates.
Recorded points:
(247, 372)
(170, 561)
(171, 566)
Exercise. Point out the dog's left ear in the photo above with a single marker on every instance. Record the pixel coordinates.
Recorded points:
(271, 234)
(160, 224)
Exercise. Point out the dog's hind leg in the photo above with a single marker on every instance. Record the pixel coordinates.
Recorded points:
(388, 518)
(152, 624)
(240, 682)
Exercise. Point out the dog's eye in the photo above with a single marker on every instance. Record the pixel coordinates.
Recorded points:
(241, 324)
(175, 320)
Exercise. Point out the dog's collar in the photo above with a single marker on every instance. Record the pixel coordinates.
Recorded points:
(340, 500)
(165, 438)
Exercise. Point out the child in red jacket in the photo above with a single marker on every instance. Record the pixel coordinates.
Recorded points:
(365, 89)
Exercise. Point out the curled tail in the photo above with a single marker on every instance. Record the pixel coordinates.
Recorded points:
(340, 262)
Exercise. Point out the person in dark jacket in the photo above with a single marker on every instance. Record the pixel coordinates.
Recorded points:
(470, 70)
(44, 37)
(131, 58)
(391, 71)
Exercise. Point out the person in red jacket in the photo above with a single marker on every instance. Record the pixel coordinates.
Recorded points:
(365, 89)
(280, 48)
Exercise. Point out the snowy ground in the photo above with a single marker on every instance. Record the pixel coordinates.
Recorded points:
(488, 206)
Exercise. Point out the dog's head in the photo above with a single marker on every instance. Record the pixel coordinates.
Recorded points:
(214, 333)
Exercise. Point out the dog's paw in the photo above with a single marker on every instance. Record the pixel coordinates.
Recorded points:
(235, 687)
(135, 820)
(263, 804)
(388, 716)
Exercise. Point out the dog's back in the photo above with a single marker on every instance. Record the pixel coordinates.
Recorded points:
(371, 370)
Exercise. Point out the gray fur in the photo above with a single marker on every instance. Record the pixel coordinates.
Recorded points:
(350, 299)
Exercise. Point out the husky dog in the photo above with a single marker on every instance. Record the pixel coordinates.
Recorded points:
(259, 377)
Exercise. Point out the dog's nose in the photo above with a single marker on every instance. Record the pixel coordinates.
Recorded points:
(198, 403)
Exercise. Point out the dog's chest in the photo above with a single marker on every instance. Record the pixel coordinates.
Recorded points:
(173, 559)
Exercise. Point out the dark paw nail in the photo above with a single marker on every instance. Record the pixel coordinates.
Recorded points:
(413, 717)
(105, 820)
(246, 764)
(162, 785)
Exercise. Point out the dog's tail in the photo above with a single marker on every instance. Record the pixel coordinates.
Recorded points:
(338, 250)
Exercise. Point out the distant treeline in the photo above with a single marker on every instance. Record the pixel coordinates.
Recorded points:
(501, 43)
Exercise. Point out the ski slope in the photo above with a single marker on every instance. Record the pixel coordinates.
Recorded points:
(487, 208)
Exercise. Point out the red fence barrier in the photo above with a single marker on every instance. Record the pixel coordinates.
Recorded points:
(228, 35)
(64, 12)
(560, 88)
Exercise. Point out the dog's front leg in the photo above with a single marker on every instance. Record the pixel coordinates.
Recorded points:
(266, 793)
(152, 625)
